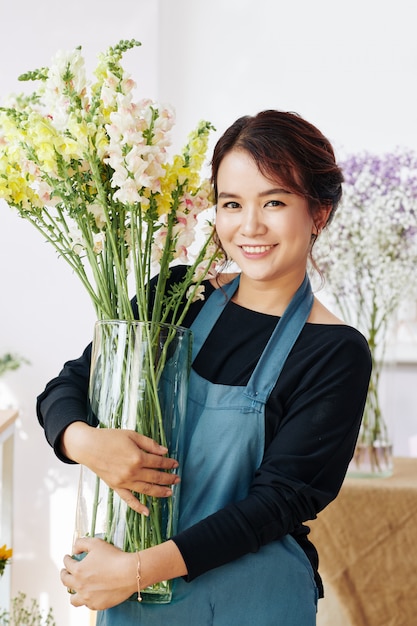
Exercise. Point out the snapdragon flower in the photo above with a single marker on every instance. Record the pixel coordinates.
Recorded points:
(89, 166)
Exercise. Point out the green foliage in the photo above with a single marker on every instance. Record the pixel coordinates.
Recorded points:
(24, 613)
(10, 362)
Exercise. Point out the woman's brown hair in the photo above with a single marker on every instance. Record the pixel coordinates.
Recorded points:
(287, 148)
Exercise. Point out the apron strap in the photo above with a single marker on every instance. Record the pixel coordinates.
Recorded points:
(210, 313)
(280, 344)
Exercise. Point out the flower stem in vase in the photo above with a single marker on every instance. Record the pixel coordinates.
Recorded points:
(139, 379)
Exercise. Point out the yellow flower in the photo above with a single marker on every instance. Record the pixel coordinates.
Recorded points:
(41, 136)
(101, 143)
(5, 553)
(15, 187)
(68, 148)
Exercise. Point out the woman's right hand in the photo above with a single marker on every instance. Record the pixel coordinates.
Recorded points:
(125, 460)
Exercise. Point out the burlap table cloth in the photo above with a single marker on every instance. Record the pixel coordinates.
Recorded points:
(367, 541)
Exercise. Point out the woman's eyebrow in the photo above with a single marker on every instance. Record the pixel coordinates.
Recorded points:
(262, 194)
(276, 190)
(226, 194)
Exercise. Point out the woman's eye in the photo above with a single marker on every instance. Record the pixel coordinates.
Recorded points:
(273, 203)
(231, 205)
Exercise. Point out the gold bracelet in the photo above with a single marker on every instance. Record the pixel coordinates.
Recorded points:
(138, 578)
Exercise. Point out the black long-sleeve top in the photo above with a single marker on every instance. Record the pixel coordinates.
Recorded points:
(312, 420)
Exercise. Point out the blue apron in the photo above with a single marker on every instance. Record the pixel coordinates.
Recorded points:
(224, 446)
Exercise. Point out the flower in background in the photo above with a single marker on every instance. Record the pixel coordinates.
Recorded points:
(5, 556)
(369, 254)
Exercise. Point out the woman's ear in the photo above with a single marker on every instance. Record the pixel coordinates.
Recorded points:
(321, 218)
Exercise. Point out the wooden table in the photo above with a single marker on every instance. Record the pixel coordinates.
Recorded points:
(7, 426)
(367, 542)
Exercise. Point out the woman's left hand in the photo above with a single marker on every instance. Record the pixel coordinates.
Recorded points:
(106, 576)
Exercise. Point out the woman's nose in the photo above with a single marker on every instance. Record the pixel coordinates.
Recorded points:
(252, 223)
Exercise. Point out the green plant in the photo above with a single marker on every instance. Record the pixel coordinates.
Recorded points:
(11, 362)
(23, 613)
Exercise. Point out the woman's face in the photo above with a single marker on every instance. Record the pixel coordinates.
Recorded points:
(263, 227)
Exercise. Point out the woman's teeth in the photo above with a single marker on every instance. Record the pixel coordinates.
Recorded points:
(256, 249)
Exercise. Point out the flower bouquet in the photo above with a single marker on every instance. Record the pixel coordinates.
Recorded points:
(368, 257)
(88, 166)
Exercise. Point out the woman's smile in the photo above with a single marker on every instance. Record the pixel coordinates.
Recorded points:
(258, 250)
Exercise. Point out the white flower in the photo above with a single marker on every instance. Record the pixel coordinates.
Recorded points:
(199, 293)
(77, 240)
(369, 252)
(98, 242)
(99, 215)
(67, 70)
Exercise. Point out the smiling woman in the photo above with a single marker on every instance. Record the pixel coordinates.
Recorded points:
(270, 208)
(276, 394)
(267, 230)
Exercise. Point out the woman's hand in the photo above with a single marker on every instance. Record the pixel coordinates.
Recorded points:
(106, 576)
(125, 460)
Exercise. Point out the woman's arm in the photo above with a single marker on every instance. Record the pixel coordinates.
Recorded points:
(125, 460)
(64, 401)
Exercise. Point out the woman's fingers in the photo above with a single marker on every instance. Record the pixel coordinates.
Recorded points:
(132, 501)
(154, 453)
(142, 472)
(145, 488)
(103, 579)
(149, 445)
(125, 460)
(147, 479)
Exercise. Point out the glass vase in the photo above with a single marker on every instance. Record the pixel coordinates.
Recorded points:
(372, 460)
(373, 456)
(138, 381)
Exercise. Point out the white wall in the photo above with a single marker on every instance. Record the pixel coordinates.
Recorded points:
(350, 68)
